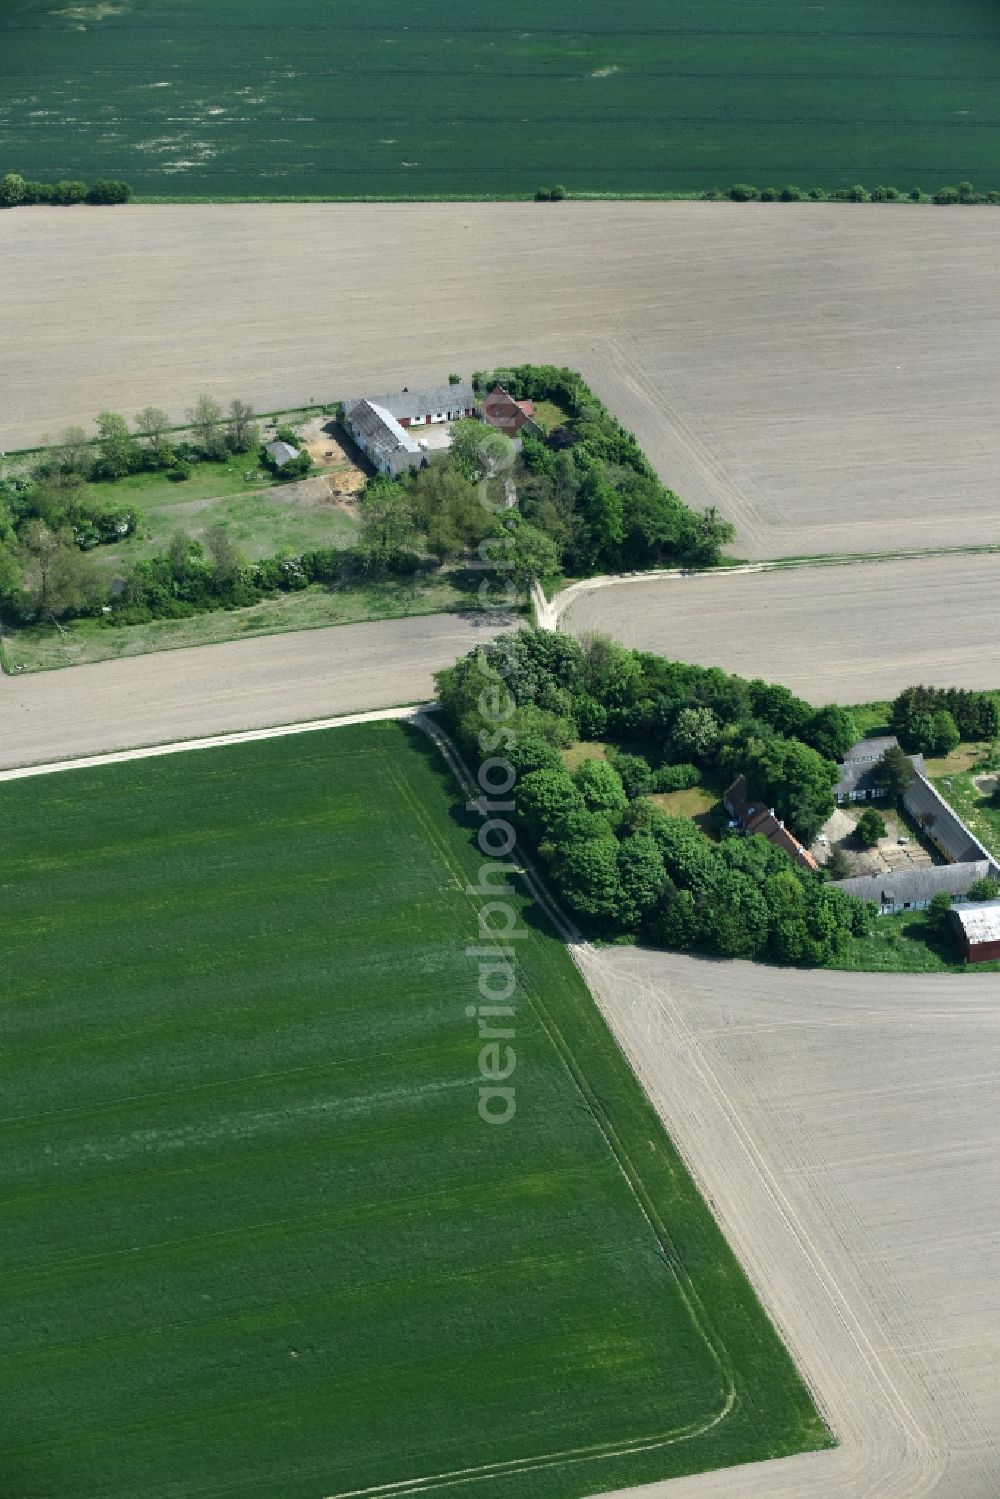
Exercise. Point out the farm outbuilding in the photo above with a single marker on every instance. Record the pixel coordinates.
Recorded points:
(282, 452)
(977, 931)
(914, 889)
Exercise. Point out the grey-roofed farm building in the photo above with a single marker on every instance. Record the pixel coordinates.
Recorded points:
(941, 823)
(914, 889)
(434, 403)
(381, 438)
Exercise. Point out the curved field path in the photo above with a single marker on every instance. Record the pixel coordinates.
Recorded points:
(846, 634)
(826, 374)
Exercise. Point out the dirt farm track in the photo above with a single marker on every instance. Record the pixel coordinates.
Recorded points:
(827, 375)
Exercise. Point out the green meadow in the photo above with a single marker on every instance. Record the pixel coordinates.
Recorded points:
(202, 98)
(257, 1238)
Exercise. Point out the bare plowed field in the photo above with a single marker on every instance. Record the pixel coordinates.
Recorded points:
(831, 634)
(826, 375)
(219, 689)
(844, 1129)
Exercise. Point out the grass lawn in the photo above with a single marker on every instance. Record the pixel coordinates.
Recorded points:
(659, 96)
(583, 749)
(549, 415)
(257, 1238)
(262, 517)
(702, 806)
(906, 943)
(44, 648)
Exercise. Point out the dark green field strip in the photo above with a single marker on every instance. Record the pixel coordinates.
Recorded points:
(256, 1238)
(665, 95)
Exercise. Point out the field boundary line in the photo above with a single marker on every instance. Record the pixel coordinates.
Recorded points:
(549, 612)
(214, 741)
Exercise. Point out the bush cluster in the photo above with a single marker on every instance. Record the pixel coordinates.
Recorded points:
(618, 861)
(744, 192)
(933, 720)
(19, 192)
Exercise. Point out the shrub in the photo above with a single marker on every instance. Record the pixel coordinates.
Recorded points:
(551, 194)
(12, 190)
(769, 195)
(675, 778)
(985, 889)
(791, 194)
(67, 192)
(871, 827)
(946, 195)
(743, 192)
(106, 191)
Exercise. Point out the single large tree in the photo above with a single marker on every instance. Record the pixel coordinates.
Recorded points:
(387, 525)
(205, 417)
(154, 425)
(244, 432)
(893, 773)
(118, 449)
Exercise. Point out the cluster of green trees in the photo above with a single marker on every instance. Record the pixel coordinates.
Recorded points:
(591, 489)
(745, 192)
(193, 578)
(934, 720)
(18, 192)
(618, 861)
(582, 500)
(49, 520)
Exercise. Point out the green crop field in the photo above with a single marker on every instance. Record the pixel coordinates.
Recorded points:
(196, 98)
(256, 1237)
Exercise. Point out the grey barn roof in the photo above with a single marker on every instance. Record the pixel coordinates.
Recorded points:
(868, 751)
(913, 885)
(860, 763)
(948, 830)
(430, 400)
(371, 420)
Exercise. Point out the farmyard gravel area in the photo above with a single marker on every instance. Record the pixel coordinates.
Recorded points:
(825, 374)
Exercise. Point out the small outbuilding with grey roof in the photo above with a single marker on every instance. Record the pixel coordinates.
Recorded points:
(282, 452)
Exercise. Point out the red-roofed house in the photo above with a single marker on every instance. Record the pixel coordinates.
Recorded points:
(755, 818)
(507, 415)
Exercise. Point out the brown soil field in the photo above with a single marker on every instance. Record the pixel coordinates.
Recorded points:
(219, 689)
(846, 634)
(843, 1127)
(825, 374)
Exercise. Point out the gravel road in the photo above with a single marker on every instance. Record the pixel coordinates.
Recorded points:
(843, 1127)
(824, 373)
(244, 684)
(832, 634)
